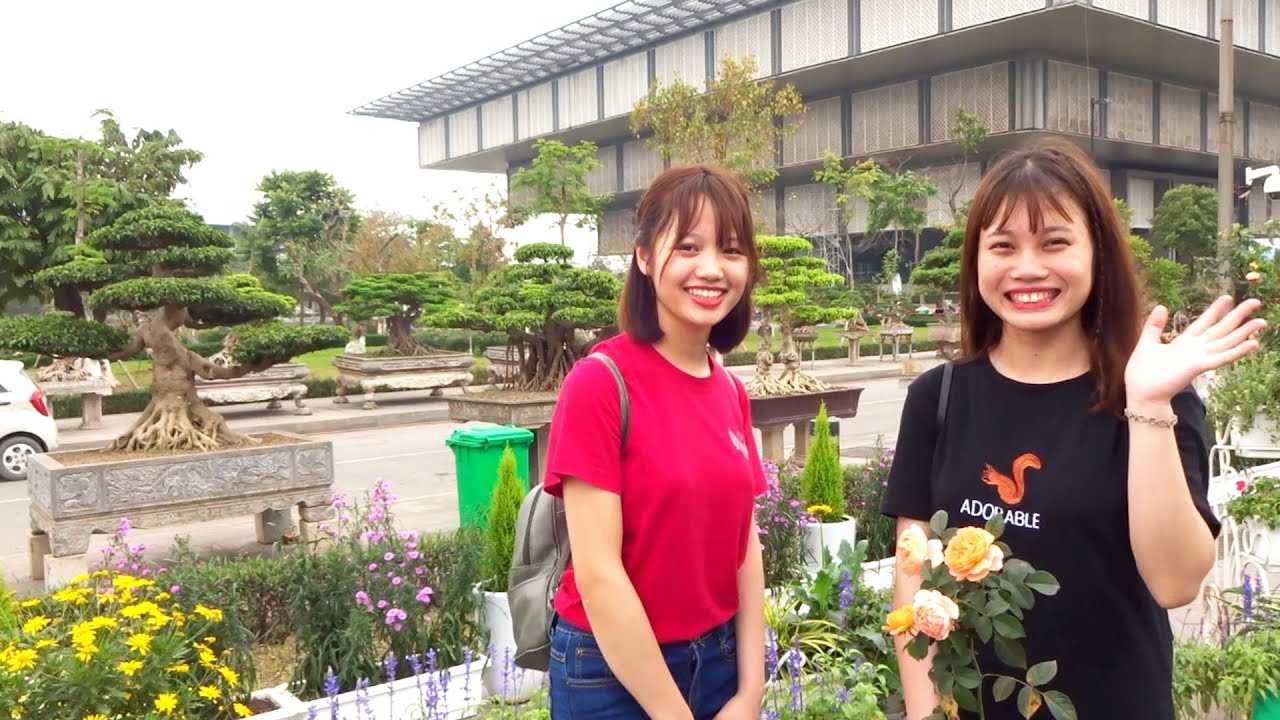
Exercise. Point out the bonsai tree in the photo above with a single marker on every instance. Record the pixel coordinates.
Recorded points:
(939, 269)
(163, 260)
(822, 480)
(542, 303)
(791, 273)
(500, 525)
(401, 298)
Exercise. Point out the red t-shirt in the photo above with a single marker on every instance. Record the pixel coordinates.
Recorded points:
(688, 478)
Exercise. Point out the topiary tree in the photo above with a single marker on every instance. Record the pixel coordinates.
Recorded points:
(544, 305)
(401, 298)
(939, 269)
(500, 525)
(164, 260)
(791, 273)
(822, 480)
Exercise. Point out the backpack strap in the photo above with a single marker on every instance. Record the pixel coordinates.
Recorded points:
(944, 394)
(624, 404)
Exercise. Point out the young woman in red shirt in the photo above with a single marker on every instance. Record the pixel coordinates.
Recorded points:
(660, 613)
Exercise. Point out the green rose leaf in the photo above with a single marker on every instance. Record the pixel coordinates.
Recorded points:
(1043, 583)
(1042, 673)
(1009, 626)
(1010, 652)
(938, 524)
(1003, 688)
(1028, 702)
(1060, 706)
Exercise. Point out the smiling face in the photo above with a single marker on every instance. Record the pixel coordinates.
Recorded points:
(697, 280)
(1036, 276)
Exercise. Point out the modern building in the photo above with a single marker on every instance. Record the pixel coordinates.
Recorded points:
(1133, 80)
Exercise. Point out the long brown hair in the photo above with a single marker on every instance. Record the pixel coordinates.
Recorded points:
(1041, 178)
(675, 198)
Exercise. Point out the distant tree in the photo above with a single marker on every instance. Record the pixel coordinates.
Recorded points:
(557, 179)
(735, 123)
(164, 260)
(1186, 221)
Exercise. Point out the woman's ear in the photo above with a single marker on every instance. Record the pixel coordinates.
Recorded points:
(643, 256)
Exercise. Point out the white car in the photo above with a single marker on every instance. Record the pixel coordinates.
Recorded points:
(26, 421)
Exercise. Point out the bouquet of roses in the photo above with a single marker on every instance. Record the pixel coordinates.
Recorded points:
(973, 591)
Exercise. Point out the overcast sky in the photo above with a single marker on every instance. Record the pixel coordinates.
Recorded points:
(262, 86)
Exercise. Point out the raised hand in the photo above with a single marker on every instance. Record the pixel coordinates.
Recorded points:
(1221, 335)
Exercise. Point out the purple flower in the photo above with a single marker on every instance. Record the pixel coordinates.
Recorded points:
(424, 595)
(382, 604)
(1247, 593)
(395, 615)
(373, 566)
(396, 580)
(389, 556)
(362, 597)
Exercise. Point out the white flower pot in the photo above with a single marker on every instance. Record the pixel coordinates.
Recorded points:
(1263, 440)
(448, 694)
(828, 536)
(1262, 542)
(501, 676)
(879, 574)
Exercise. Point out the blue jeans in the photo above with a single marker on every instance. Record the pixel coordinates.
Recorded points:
(584, 688)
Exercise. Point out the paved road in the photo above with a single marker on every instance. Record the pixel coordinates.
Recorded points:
(412, 458)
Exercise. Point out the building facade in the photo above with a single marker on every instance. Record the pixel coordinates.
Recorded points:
(1133, 81)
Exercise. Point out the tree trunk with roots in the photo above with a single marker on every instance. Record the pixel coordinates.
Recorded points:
(793, 380)
(176, 418)
(400, 340)
(544, 359)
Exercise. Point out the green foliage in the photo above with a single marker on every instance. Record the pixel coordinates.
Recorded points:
(850, 184)
(1260, 502)
(557, 179)
(735, 123)
(791, 273)
(276, 342)
(401, 295)
(894, 201)
(53, 190)
(822, 480)
(60, 334)
(80, 267)
(1186, 221)
(1164, 279)
(864, 489)
(500, 529)
(939, 269)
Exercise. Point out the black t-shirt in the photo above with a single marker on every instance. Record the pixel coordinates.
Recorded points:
(1058, 473)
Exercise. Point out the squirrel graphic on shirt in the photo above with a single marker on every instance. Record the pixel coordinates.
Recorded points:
(1012, 489)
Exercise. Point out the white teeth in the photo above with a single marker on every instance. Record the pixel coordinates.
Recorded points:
(1031, 297)
(699, 292)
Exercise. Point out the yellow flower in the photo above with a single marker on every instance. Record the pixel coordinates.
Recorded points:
(179, 668)
(35, 625)
(85, 653)
(73, 596)
(102, 621)
(95, 716)
(818, 510)
(972, 554)
(20, 660)
(79, 579)
(163, 596)
(29, 603)
(242, 710)
(210, 692)
(900, 620)
(42, 644)
(166, 703)
(229, 675)
(139, 643)
(137, 610)
(129, 667)
(210, 614)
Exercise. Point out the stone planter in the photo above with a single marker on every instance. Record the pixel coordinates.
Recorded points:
(367, 373)
(449, 694)
(827, 537)
(521, 409)
(772, 414)
(947, 337)
(69, 502)
(271, 385)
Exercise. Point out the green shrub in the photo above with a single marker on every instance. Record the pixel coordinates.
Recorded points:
(865, 486)
(822, 481)
(500, 530)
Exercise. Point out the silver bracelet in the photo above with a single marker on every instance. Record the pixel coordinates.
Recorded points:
(1158, 422)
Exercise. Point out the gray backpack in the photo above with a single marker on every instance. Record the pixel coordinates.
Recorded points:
(541, 556)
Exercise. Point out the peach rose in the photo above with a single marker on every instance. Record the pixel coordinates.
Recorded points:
(972, 554)
(935, 614)
(900, 620)
(934, 551)
(912, 546)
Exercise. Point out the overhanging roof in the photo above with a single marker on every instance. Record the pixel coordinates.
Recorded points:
(623, 27)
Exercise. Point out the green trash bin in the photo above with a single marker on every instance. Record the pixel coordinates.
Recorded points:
(477, 452)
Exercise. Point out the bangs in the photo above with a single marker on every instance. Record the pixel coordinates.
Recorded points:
(1024, 187)
(702, 191)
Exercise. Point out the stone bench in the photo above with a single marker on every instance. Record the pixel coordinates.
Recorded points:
(91, 393)
(271, 385)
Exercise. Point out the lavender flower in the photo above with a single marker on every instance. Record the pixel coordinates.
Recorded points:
(331, 692)
(1248, 592)
(846, 590)
(362, 697)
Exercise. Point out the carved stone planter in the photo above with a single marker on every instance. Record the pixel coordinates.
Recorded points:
(69, 502)
(521, 409)
(947, 337)
(272, 385)
(367, 373)
(772, 414)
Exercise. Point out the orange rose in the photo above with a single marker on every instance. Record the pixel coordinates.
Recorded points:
(972, 554)
(900, 620)
(912, 546)
(935, 614)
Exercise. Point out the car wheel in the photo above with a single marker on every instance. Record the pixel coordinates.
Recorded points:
(14, 453)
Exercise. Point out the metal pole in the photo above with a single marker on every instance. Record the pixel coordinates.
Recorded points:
(1226, 140)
